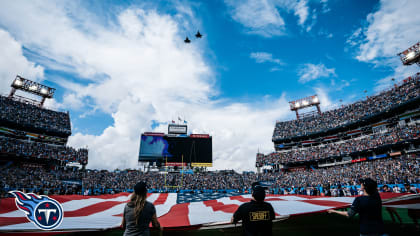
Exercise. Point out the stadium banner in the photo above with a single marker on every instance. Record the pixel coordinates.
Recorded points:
(326, 164)
(393, 154)
(7, 131)
(307, 142)
(199, 135)
(378, 157)
(409, 115)
(379, 124)
(175, 210)
(354, 132)
(32, 135)
(175, 164)
(359, 160)
(329, 138)
(195, 164)
(343, 162)
(177, 129)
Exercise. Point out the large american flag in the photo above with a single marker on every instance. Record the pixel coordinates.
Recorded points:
(180, 210)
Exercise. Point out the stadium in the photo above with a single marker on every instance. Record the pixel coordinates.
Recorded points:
(318, 162)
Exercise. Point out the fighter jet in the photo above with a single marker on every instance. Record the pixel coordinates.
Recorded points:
(187, 40)
(198, 35)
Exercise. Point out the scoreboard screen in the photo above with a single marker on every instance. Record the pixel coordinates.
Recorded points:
(176, 149)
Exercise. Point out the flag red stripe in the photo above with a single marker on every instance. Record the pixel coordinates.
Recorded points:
(7, 205)
(326, 203)
(12, 220)
(66, 198)
(274, 199)
(34, 233)
(161, 199)
(240, 198)
(86, 211)
(177, 216)
(92, 209)
(219, 206)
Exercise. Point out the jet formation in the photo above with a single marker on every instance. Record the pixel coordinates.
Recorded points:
(197, 35)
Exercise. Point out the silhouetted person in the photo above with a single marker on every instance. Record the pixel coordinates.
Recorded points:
(256, 215)
(369, 208)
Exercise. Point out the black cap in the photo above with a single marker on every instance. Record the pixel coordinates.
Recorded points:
(258, 193)
(140, 188)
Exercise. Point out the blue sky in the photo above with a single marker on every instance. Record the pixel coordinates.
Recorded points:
(121, 67)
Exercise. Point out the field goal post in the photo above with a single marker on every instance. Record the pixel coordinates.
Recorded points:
(182, 174)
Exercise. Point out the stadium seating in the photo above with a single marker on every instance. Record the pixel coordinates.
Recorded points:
(31, 133)
(393, 171)
(33, 118)
(28, 149)
(392, 135)
(354, 112)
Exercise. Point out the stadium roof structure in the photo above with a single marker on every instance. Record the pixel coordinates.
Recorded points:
(411, 55)
(20, 83)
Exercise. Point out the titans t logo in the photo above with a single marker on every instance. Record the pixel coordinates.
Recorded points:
(46, 213)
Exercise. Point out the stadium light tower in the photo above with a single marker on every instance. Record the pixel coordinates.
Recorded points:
(304, 103)
(20, 83)
(411, 55)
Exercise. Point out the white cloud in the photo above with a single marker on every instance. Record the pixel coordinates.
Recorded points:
(325, 100)
(263, 17)
(391, 29)
(311, 72)
(302, 11)
(13, 62)
(262, 57)
(260, 17)
(324, 33)
(142, 71)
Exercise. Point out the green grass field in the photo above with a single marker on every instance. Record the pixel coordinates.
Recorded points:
(315, 224)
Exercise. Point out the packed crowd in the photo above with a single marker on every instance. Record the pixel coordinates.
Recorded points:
(350, 113)
(23, 148)
(396, 170)
(29, 116)
(391, 136)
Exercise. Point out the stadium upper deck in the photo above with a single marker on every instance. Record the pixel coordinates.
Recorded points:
(28, 117)
(352, 113)
(29, 133)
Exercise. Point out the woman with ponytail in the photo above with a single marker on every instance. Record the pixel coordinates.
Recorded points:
(369, 208)
(138, 213)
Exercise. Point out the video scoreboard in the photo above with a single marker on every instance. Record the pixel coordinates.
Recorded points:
(175, 150)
